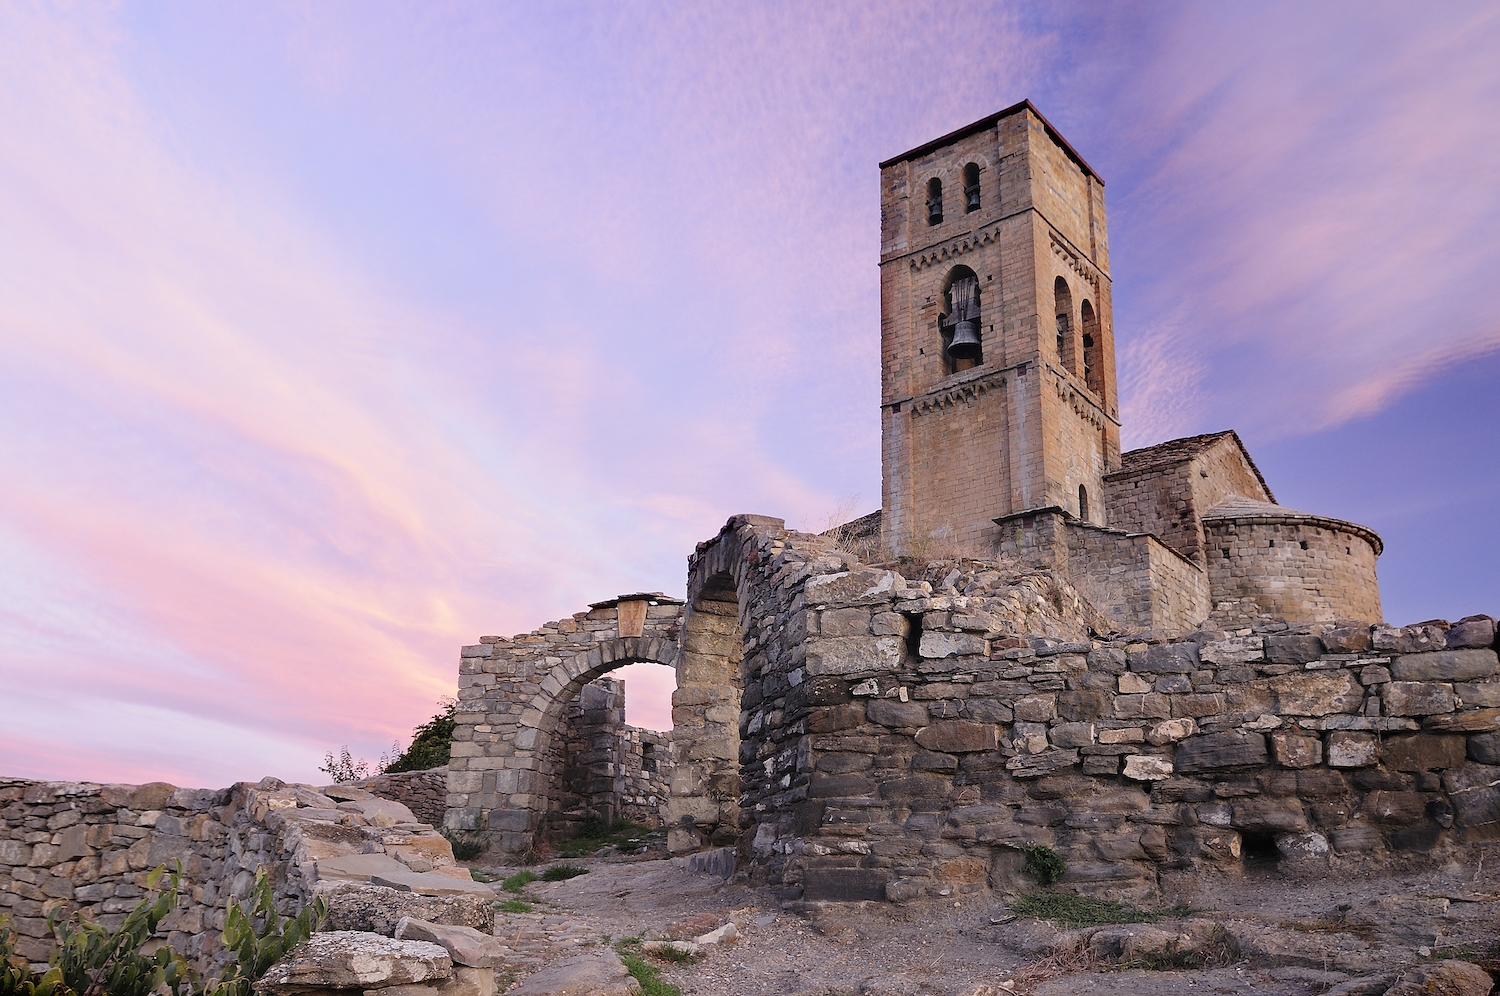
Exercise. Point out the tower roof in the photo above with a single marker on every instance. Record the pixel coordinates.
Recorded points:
(989, 122)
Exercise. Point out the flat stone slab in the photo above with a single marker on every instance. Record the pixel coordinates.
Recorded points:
(348, 959)
(359, 867)
(465, 945)
(591, 975)
(429, 884)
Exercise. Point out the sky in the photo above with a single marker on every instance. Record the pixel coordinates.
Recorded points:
(334, 336)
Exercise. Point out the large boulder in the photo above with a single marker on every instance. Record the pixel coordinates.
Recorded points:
(1443, 978)
(465, 945)
(379, 910)
(601, 974)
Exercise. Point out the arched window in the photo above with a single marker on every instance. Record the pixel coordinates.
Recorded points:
(1083, 503)
(1063, 299)
(971, 187)
(934, 201)
(1093, 366)
(959, 324)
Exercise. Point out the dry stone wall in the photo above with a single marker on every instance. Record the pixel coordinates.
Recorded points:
(89, 847)
(425, 792)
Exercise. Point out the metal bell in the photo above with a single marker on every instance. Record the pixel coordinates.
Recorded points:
(965, 344)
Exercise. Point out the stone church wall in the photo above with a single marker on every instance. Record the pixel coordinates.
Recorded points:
(1308, 569)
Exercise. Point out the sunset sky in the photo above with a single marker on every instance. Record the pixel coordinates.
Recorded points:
(335, 335)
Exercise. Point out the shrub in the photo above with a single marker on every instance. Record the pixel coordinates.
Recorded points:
(1043, 863)
(431, 743)
(261, 938)
(92, 959)
(561, 873)
(520, 880)
(345, 768)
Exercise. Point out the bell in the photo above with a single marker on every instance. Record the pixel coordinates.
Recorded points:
(965, 344)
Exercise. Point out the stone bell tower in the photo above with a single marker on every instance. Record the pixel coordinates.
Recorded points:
(997, 343)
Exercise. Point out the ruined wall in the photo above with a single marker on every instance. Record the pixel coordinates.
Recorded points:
(603, 768)
(90, 847)
(425, 792)
(1306, 570)
(1134, 758)
(1136, 580)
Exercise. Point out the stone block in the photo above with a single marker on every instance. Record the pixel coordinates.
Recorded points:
(1233, 651)
(1352, 750)
(1374, 674)
(1425, 752)
(840, 786)
(1084, 705)
(1484, 695)
(1398, 808)
(1126, 735)
(843, 885)
(854, 655)
(845, 622)
(917, 786)
(1348, 640)
(1040, 765)
(1417, 698)
(1446, 665)
(1293, 751)
(959, 736)
(1293, 649)
(1147, 767)
(1356, 839)
(1474, 631)
(936, 646)
(1221, 750)
(988, 711)
(1283, 815)
(1415, 639)
(430, 884)
(830, 719)
(601, 974)
(1170, 731)
(1316, 693)
(1133, 684)
(465, 945)
(1036, 709)
(1469, 721)
(861, 587)
(1474, 791)
(1450, 978)
(1174, 684)
(1170, 658)
(1149, 706)
(900, 715)
(1484, 748)
(1073, 735)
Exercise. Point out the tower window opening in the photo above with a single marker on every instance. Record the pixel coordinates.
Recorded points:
(959, 325)
(1083, 503)
(1063, 298)
(971, 187)
(1093, 365)
(1304, 544)
(934, 201)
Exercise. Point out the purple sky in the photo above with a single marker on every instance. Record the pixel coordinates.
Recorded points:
(335, 336)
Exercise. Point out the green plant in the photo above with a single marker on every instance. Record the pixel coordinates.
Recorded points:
(261, 937)
(1067, 910)
(514, 906)
(520, 880)
(625, 836)
(344, 768)
(649, 976)
(17, 978)
(431, 743)
(466, 845)
(1043, 863)
(561, 873)
(94, 961)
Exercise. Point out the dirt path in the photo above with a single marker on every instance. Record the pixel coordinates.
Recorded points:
(1290, 937)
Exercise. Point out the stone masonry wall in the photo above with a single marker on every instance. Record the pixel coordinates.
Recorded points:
(425, 792)
(89, 847)
(1134, 758)
(1137, 580)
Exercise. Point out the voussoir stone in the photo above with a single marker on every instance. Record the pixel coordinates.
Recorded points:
(347, 959)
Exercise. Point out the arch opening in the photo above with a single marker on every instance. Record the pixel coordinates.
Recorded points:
(1083, 503)
(1093, 364)
(934, 201)
(1062, 297)
(971, 187)
(960, 323)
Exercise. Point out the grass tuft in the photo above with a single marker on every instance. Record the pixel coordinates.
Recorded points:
(624, 836)
(514, 906)
(1068, 910)
(520, 880)
(649, 976)
(561, 873)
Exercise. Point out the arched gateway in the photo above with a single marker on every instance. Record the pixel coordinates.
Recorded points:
(513, 693)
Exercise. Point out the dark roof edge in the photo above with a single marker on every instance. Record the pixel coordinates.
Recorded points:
(989, 122)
